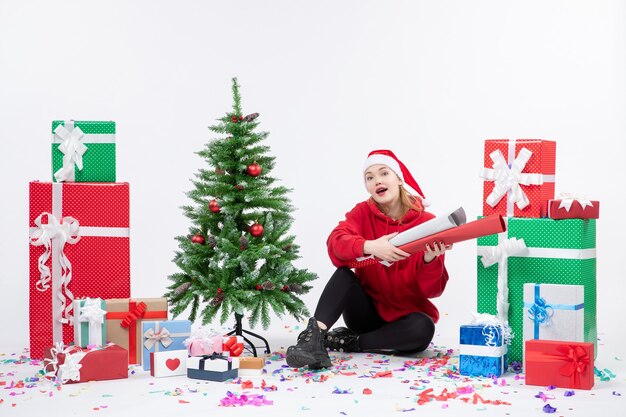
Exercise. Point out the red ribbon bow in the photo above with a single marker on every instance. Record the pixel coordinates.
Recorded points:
(231, 345)
(132, 316)
(577, 360)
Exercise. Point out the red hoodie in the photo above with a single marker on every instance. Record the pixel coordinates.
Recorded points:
(405, 286)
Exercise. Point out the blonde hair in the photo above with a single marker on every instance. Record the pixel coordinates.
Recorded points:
(408, 202)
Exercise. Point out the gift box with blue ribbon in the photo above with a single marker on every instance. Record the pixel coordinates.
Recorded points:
(215, 367)
(483, 351)
(159, 336)
(554, 312)
(558, 252)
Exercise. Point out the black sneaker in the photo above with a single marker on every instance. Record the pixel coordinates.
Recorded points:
(309, 351)
(342, 339)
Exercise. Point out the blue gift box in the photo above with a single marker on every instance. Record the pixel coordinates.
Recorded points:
(159, 336)
(482, 352)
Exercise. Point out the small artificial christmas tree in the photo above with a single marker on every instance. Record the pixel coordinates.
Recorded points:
(238, 256)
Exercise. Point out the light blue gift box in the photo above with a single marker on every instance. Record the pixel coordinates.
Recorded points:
(482, 351)
(161, 336)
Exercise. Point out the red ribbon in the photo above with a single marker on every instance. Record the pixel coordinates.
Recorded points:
(136, 311)
(575, 357)
(231, 345)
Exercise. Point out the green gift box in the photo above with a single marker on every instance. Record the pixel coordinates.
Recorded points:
(83, 151)
(558, 252)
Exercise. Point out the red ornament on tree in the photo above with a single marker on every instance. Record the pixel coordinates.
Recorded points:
(254, 169)
(285, 288)
(258, 287)
(214, 206)
(239, 187)
(234, 119)
(199, 239)
(256, 230)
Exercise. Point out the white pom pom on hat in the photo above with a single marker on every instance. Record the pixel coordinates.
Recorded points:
(386, 157)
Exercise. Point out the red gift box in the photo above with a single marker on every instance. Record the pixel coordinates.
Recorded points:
(559, 363)
(573, 208)
(111, 362)
(79, 247)
(519, 177)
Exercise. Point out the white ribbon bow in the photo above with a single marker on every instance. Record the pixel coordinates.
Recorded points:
(92, 312)
(70, 369)
(510, 178)
(568, 199)
(496, 254)
(500, 254)
(152, 338)
(65, 231)
(72, 148)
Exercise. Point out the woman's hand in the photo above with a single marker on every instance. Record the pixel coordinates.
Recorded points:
(382, 249)
(437, 249)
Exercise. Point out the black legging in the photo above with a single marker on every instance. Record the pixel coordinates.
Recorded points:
(345, 295)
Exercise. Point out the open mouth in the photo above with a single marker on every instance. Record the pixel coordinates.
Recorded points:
(381, 190)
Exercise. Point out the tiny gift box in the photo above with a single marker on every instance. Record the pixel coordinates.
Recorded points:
(90, 322)
(124, 320)
(161, 336)
(482, 351)
(83, 151)
(573, 208)
(204, 342)
(232, 345)
(213, 367)
(554, 312)
(74, 364)
(168, 363)
(251, 365)
(558, 363)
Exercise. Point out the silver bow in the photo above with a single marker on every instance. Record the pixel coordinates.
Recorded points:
(72, 148)
(152, 338)
(568, 199)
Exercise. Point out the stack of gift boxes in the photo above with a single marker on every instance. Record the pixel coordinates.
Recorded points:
(81, 316)
(539, 275)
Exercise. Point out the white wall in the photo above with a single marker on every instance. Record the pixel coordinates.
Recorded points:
(332, 80)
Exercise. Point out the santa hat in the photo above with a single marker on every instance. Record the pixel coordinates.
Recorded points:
(386, 157)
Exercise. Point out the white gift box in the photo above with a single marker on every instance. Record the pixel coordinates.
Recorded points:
(89, 322)
(168, 363)
(213, 367)
(554, 312)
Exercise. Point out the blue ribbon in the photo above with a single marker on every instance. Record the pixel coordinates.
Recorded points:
(540, 312)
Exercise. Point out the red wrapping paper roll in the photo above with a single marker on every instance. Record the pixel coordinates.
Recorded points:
(482, 227)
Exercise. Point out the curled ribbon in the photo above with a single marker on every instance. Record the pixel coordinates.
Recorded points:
(540, 312)
(493, 328)
(567, 200)
(510, 178)
(162, 336)
(72, 148)
(69, 370)
(66, 231)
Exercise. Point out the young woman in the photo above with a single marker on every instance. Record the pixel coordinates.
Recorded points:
(384, 308)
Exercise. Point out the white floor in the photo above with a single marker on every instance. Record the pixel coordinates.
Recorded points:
(335, 392)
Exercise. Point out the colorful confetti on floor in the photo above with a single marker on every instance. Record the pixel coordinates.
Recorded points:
(358, 384)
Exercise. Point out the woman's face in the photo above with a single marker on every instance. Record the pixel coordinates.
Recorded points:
(383, 184)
